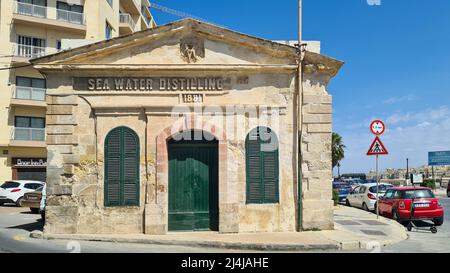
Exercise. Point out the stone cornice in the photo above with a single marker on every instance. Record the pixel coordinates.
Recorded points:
(168, 68)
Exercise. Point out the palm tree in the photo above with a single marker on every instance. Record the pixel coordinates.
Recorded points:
(337, 149)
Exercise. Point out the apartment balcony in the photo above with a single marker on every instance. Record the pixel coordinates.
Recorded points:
(28, 96)
(132, 7)
(48, 17)
(70, 16)
(127, 25)
(30, 10)
(23, 53)
(27, 137)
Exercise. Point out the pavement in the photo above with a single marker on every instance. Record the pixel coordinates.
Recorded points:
(354, 230)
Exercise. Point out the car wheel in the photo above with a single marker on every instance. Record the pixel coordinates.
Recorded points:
(448, 194)
(438, 221)
(395, 216)
(365, 207)
(19, 202)
(34, 210)
(347, 203)
(43, 216)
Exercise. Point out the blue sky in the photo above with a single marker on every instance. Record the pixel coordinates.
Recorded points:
(397, 65)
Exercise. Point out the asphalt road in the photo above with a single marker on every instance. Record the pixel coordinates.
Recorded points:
(423, 241)
(17, 223)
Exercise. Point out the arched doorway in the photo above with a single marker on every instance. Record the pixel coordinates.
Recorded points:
(193, 182)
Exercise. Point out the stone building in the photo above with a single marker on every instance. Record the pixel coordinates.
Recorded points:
(187, 126)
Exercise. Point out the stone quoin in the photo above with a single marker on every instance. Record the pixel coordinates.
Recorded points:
(129, 153)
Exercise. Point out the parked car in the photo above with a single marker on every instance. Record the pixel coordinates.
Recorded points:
(343, 189)
(355, 182)
(33, 200)
(397, 203)
(448, 189)
(13, 191)
(365, 195)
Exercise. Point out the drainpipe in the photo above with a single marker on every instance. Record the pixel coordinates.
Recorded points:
(146, 165)
(299, 122)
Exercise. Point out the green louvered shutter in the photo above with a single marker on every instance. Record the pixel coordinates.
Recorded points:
(121, 168)
(112, 169)
(130, 168)
(261, 167)
(270, 176)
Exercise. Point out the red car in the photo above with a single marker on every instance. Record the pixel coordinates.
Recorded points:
(397, 201)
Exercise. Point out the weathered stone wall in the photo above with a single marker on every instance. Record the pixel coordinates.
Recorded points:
(316, 150)
(82, 199)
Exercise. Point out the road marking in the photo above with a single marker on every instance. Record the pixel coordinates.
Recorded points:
(19, 238)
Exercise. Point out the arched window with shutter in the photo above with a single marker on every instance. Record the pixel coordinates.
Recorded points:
(122, 168)
(261, 147)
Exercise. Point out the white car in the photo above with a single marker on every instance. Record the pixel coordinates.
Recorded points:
(14, 190)
(365, 196)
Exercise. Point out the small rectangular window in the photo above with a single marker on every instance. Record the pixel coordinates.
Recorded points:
(30, 82)
(29, 122)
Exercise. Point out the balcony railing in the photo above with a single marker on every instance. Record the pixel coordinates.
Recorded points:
(29, 51)
(30, 9)
(28, 134)
(29, 93)
(137, 3)
(70, 16)
(127, 19)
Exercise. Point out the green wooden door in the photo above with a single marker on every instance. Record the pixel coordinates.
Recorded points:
(193, 186)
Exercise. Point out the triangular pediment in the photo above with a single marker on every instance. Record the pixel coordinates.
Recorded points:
(183, 42)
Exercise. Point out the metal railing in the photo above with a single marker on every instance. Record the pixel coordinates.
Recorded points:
(30, 9)
(28, 134)
(29, 51)
(70, 16)
(29, 93)
(127, 19)
(147, 20)
(137, 3)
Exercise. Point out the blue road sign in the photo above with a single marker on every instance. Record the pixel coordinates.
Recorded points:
(439, 158)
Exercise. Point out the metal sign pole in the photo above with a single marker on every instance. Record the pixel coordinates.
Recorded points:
(377, 188)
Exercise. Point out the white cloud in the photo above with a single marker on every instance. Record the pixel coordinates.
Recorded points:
(393, 100)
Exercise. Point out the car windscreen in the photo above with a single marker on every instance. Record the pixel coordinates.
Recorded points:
(10, 185)
(40, 189)
(381, 188)
(410, 194)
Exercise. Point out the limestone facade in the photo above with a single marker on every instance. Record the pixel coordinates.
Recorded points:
(256, 83)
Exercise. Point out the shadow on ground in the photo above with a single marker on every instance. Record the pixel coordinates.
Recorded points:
(38, 225)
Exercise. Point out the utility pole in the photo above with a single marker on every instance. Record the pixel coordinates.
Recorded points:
(299, 121)
(378, 210)
(407, 171)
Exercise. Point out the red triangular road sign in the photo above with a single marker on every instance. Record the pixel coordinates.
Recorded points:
(377, 148)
